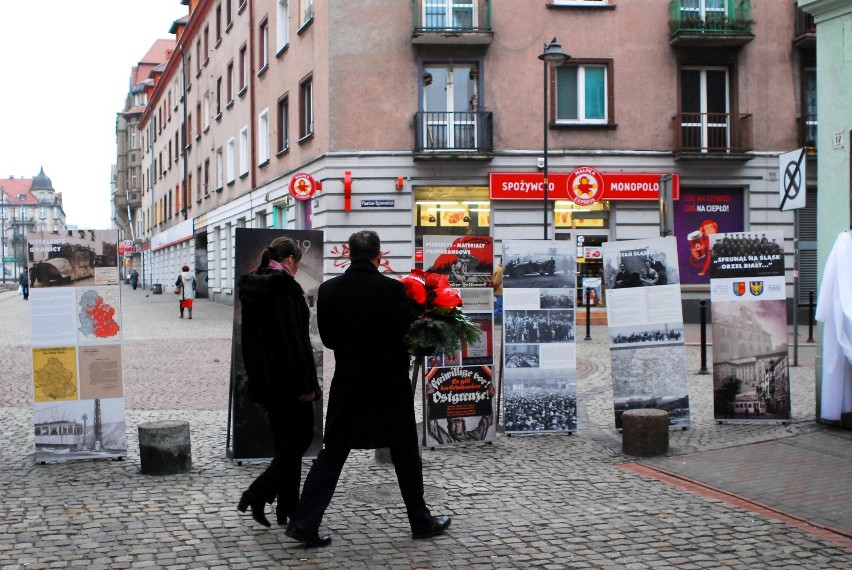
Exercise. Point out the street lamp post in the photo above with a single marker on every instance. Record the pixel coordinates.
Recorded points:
(552, 56)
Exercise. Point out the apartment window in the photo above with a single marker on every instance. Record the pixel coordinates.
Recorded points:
(230, 157)
(243, 68)
(206, 111)
(206, 45)
(283, 124)
(228, 12)
(451, 117)
(809, 107)
(188, 197)
(134, 142)
(42, 213)
(307, 11)
(709, 11)
(218, 24)
(306, 108)
(263, 137)
(263, 46)
(188, 69)
(581, 93)
(244, 160)
(283, 24)
(580, 2)
(230, 76)
(198, 58)
(206, 177)
(448, 14)
(198, 119)
(189, 128)
(704, 103)
(220, 169)
(177, 145)
(219, 96)
(198, 180)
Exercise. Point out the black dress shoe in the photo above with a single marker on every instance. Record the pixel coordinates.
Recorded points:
(280, 516)
(257, 505)
(436, 526)
(307, 537)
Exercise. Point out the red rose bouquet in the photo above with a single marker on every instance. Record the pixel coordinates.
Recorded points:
(441, 327)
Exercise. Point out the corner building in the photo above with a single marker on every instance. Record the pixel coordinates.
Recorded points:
(412, 116)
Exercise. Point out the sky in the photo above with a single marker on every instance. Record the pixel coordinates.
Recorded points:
(65, 69)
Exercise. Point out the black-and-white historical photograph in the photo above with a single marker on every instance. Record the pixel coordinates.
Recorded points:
(543, 326)
(522, 356)
(747, 254)
(644, 268)
(649, 334)
(541, 265)
(750, 366)
(557, 298)
(652, 376)
(547, 404)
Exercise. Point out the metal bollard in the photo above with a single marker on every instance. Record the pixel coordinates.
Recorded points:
(703, 305)
(588, 313)
(810, 316)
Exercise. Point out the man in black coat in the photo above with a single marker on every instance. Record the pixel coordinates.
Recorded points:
(363, 316)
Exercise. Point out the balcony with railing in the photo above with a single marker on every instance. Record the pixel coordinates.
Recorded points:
(804, 30)
(452, 22)
(726, 136)
(466, 134)
(710, 23)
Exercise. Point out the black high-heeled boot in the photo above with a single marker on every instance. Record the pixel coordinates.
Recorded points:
(280, 515)
(257, 505)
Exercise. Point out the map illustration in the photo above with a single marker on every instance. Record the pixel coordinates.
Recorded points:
(97, 314)
(55, 374)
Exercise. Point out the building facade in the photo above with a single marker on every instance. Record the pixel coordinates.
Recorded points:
(26, 205)
(432, 119)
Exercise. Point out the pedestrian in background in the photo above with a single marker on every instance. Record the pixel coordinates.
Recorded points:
(497, 281)
(185, 287)
(363, 316)
(282, 374)
(24, 283)
(134, 279)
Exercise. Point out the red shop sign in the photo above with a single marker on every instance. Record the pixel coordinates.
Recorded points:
(303, 186)
(583, 185)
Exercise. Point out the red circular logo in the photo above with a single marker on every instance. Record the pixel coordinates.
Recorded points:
(585, 186)
(303, 186)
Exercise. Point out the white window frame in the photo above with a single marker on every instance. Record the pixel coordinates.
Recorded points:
(263, 137)
(206, 111)
(230, 157)
(581, 96)
(244, 156)
(282, 24)
(220, 169)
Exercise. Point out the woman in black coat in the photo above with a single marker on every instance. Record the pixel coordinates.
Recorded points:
(281, 371)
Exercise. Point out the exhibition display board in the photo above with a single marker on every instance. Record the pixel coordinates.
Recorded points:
(459, 391)
(76, 336)
(646, 333)
(539, 354)
(751, 380)
(249, 436)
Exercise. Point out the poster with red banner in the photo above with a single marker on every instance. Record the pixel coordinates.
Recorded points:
(700, 213)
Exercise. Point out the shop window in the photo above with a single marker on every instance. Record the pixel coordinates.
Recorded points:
(568, 215)
(451, 210)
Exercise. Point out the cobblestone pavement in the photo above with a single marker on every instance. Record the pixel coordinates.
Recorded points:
(544, 501)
